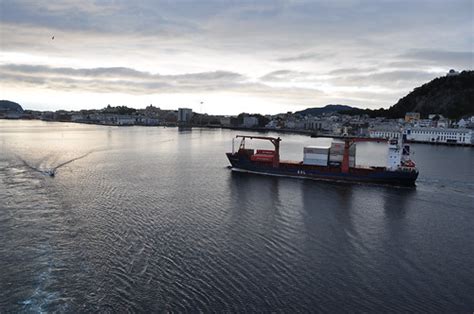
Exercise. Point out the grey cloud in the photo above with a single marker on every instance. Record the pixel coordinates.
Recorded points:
(364, 87)
(119, 17)
(125, 80)
(391, 79)
(438, 55)
(97, 72)
(119, 72)
(295, 28)
(284, 76)
(297, 24)
(290, 76)
(463, 59)
(303, 57)
(348, 71)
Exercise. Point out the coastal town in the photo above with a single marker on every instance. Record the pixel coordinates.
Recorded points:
(326, 121)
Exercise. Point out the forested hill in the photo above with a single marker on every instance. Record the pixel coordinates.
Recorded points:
(324, 110)
(451, 96)
(6, 105)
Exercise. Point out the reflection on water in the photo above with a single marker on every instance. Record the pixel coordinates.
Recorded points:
(151, 219)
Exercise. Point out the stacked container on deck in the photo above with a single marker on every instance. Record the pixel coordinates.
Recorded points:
(324, 155)
(316, 155)
(263, 155)
(336, 153)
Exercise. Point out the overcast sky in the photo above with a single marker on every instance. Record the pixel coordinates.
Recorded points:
(233, 56)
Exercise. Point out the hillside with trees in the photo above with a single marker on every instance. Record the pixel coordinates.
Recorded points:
(451, 96)
(6, 105)
(328, 109)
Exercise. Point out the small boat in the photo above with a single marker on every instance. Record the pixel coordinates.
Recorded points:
(50, 172)
(335, 162)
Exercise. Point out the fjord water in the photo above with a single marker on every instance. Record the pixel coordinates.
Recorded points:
(151, 219)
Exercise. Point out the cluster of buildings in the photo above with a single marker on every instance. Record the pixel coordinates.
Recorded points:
(435, 129)
(432, 129)
(119, 116)
(123, 116)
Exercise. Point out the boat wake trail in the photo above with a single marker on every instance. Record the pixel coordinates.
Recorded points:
(52, 171)
(69, 161)
(31, 167)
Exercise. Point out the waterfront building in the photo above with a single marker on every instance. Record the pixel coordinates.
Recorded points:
(250, 122)
(78, 117)
(424, 123)
(126, 120)
(440, 135)
(294, 124)
(386, 132)
(225, 121)
(150, 121)
(318, 124)
(184, 115)
(313, 124)
(273, 124)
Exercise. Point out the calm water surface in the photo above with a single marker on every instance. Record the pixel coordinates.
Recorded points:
(151, 219)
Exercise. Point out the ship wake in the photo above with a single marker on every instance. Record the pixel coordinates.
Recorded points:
(51, 171)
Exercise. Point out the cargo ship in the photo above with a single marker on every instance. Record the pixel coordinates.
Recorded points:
(334, 162)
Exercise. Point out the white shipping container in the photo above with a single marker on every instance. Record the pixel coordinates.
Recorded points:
(316, 156)
(316, 162)
(316, 150)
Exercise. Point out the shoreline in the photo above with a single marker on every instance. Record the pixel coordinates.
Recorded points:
(310, 133)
